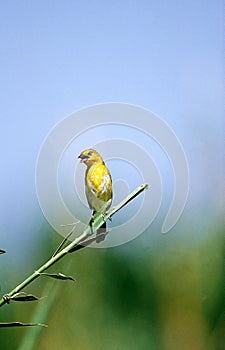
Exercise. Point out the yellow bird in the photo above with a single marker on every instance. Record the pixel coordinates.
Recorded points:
(98, 183)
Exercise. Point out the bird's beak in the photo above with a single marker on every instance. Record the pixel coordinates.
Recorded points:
(82, 158)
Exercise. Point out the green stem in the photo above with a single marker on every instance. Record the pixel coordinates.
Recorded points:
(99, 218)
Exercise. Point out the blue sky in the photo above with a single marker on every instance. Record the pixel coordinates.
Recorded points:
(60, 56)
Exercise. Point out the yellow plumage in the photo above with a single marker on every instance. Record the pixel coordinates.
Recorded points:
(98, 181)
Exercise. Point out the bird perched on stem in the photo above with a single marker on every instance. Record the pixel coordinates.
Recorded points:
(98, 183)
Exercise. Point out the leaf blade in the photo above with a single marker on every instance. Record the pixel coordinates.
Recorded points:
(59, 276)
(20, 324)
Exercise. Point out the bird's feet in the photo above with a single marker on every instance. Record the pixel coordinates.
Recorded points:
(103, 216)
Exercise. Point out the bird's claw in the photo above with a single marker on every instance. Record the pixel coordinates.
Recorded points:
(103, 216)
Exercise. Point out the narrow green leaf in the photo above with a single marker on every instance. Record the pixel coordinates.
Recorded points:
(20, 324)
(65, 240)
(58, 276)
(24, 297)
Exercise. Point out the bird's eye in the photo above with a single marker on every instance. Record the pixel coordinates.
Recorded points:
(89, 153)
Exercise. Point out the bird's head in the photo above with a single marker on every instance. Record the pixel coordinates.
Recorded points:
(90, 157)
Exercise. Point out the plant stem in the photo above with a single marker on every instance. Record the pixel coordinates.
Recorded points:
(78, 243)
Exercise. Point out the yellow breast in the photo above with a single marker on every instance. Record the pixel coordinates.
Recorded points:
(98, 186)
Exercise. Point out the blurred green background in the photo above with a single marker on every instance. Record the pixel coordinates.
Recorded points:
(160, 292)
(168, 294)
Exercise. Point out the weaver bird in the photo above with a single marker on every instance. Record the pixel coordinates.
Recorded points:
(98, 183)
